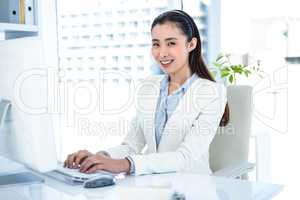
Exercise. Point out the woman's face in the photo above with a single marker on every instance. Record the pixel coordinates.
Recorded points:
(170, 48)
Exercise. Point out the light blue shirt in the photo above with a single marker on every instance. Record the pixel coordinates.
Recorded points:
(166, 105)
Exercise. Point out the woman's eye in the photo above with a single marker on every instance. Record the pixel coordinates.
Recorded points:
(171, 43)
(155, 45)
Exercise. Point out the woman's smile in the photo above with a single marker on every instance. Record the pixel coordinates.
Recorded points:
(166, 63)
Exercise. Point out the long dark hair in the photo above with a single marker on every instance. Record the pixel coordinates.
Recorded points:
(187, 25)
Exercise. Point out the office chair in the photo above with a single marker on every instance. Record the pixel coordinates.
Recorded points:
(230, 147)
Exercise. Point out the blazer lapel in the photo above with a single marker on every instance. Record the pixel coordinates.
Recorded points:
(198, 95)
(148, 97)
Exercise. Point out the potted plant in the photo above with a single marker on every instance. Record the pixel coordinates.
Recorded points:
(229, 71)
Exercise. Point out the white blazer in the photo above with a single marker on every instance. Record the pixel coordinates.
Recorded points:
(184, 144)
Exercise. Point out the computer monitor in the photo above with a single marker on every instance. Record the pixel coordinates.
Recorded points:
(27, 135)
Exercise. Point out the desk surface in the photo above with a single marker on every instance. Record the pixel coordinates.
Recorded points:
(159, 186)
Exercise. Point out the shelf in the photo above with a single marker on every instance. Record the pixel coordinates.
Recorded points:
(12, 31)
(4, 27)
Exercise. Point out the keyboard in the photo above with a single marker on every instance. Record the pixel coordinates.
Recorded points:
(73, 175)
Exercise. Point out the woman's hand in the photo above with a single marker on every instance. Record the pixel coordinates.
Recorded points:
(74, 160)
(100, 162)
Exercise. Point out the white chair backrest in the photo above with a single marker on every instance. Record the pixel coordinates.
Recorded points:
(230, 146)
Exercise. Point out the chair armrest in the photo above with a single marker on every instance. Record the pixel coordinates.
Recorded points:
(235, 171)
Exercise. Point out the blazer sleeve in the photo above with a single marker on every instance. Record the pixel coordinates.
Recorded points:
(132, 144)
(134, 141)
(192, 154)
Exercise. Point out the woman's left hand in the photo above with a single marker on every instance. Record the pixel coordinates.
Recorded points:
(100, 162)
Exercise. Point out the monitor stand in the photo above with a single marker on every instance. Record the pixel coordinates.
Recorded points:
(7, 166)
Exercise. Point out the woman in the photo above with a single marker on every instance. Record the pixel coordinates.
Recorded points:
(175, 128)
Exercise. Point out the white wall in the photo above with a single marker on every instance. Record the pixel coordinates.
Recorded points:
(214, 30)
(236, 35)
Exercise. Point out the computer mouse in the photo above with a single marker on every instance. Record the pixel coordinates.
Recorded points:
(100, 181)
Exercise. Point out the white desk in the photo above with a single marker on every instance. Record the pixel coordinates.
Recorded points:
(194, 186)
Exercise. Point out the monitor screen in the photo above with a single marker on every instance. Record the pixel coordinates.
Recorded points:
(27, 133)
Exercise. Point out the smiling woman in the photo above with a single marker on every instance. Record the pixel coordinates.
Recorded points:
(176, 45)
(178, 121)
(170, 49)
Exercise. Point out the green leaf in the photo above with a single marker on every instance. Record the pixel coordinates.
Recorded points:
(218, 65)
(224, 74)
(241, 69)
(226, 70)
(247, 72)
(224, 62)
(237, 69)
(233, 67)
(220, 56)
(231, 78)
